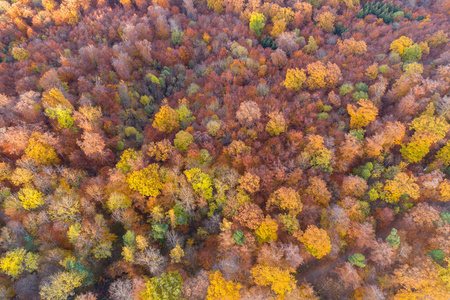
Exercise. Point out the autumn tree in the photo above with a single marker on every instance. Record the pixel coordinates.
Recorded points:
(280, 281)
(277, 124)
(351, 46)
(167, 286)
(322, 76)
(166, 120)
(286, 199)
(294, 79)
(257, 23)
(146, 181)
(316, 241)
(364, 114)
(220, 288)
(402, 184)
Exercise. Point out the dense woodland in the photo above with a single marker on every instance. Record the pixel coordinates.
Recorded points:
(224, 149)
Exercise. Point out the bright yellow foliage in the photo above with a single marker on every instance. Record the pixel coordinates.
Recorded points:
(267, 231)
(294, 79)
(401, 185)
(166, 120)
(363, 115)
(316, 241)
(41, 152)
(16, 261)
(221, 289)
(280, 281)
(400, 44)
(146, 181)
(117, 200)
(30, 198)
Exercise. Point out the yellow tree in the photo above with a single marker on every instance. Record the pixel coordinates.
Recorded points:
(402, 184)
(363, 115)
(166, 120)
(277, 124)
(294, 79)
(325, 21)
(280, 281)
(40, 151)
(221, 289)
(322, 76)
(146, 181)
(286, 199)
(316, 241)
(267, 231)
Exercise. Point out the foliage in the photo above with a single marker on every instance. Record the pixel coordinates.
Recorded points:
(14, 262)
(316, 241)
(294, 79)
(166, 120)
(182, 140)
(31, 198)
(167, 286)
(358, 260)
(393, 239)
(257, 23)
(267, 231)
(146, 181)
(220, 288)
(280, 281)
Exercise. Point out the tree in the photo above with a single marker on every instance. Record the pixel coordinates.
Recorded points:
(182, 140)
(318, 191)
(277, 124)
(40, 151)
(248, 113)
(31, 198)
(399, 45)
(250, 182)
(257, 23)
(402, 184)
(325, 21)
(267, 231)
(167, 286)
(322, 76)
(220, 288)
(146, 181)
(393, 239)
(316, 241)
(294, 79)
(351, 46)
(14, 262)
(363, 115)
(358, 260)
(286, 199)
(61, 285)
(280, 281)
(201, 182)
(166, 120)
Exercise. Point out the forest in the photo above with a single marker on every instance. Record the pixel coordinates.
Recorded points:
(224, 149)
